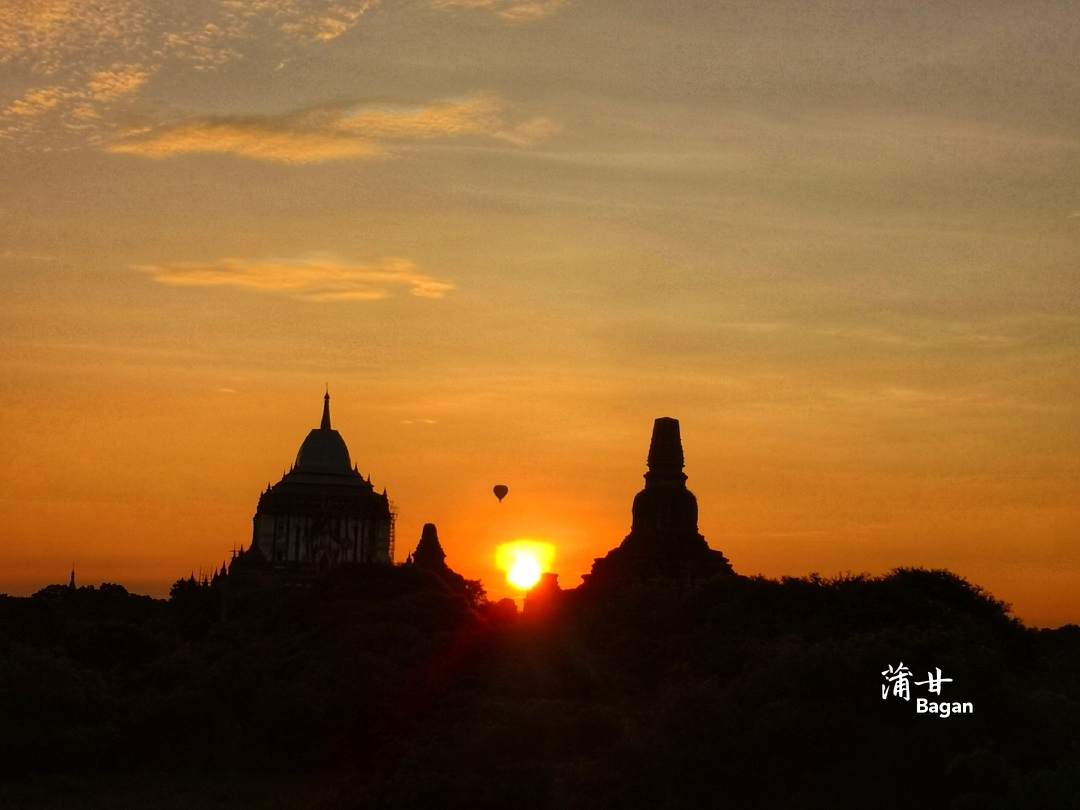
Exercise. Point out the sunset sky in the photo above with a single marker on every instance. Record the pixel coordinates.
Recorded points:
(837, 240)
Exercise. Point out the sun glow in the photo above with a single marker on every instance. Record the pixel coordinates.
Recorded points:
(524, 561)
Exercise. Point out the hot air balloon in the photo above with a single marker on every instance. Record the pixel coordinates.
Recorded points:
(500, 491)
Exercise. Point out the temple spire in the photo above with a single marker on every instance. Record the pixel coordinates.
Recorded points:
(664, 542)
(429, 552)
(326, 411)
(665, 453)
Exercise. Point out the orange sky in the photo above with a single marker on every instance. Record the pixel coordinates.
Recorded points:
(838, 241)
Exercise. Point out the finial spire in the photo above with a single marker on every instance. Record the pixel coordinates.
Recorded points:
(326, 410)
(665, 451)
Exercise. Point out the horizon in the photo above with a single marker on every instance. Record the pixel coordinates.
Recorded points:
(837, 241)
(498, 587)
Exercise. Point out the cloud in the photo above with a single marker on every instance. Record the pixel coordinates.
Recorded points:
(56, 36)
(52, 36)
(79, 56)
(514, 10)
(378, 122)
(264, 139)
(85, 61)
(314, 278)
(322, 20)
(25, 256)
(529, 132)
(78, 105)
(329, 132)
(96, 54)
(120, 80)
(37, 101)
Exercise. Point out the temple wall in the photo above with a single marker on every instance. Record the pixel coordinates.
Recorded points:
(290, 539)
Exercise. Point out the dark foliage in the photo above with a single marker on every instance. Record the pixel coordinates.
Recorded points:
(408, 691)
(283, 679)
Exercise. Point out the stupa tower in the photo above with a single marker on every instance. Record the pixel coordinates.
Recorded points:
(664, 542)
(429, 553)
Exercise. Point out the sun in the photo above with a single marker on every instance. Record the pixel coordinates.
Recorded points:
(524, 561)
(525, 572)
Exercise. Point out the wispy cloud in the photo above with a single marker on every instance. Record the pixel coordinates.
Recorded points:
(78, 57)
(85, 61)
(329, 132)
(50, 36)
(92, 55)
(105, 85)
(37, 101)
(21, 255)
(514, 10)
(313, 278)
(119, 80)
(264, 139)
(327, 20)
(56, 36)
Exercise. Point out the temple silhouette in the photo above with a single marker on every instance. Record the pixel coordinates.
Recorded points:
(430, 558)
(664, 542)
(323, 513)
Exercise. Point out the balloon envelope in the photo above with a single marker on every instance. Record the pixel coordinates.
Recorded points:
(500, 491)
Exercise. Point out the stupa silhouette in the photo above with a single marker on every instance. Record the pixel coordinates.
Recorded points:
(664, 542)
(429, 553)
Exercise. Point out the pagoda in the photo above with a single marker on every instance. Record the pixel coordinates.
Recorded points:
(664, 542)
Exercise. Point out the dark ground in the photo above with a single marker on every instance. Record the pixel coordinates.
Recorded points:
(388, 688)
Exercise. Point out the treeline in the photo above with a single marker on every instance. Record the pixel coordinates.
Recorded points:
(282, 679)
(410, 693)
